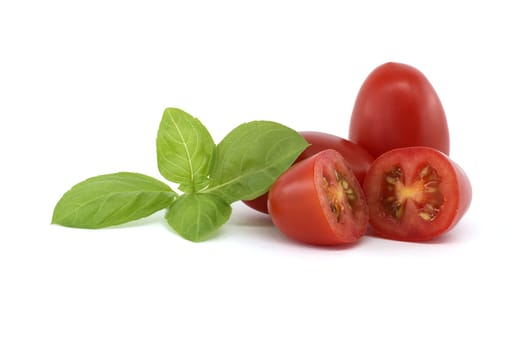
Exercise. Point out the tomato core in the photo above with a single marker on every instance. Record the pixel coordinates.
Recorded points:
(339, 193)
(424, 191)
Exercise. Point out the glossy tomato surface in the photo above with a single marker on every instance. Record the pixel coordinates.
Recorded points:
(416, 194)
(397, 106)
(319, 201)
(359, 159)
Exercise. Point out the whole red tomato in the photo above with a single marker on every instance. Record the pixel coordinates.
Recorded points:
(359, 159)
(397, 107)
(319, 201)
(415, 194)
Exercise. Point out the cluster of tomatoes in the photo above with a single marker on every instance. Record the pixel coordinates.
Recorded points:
(393, 174)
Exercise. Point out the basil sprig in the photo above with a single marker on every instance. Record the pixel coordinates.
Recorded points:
(210, 178)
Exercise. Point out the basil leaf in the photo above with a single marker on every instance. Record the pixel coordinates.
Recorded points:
(184, 150)
(250, 158)
(111, 199)
(196, 216)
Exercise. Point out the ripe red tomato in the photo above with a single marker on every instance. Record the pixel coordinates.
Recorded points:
(415, 194)
(319, 201)
(397, 107)
(359, 159)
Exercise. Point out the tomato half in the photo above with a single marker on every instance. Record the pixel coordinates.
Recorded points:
(359, 159)
(319, 201)
(415, 194)
(398, 107)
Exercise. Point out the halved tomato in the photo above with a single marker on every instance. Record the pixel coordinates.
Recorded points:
(416, 194)
(319, 201)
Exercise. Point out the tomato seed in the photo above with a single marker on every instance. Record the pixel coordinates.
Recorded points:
(391, 180)
(397, 210)
(425, 216)
(424, 172)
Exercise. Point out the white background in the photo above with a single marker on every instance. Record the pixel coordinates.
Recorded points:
(82, 89)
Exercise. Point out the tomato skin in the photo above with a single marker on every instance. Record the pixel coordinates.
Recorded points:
(258, 203)
(359, 159)
(308, 203)
(397, 106)
(449, 186)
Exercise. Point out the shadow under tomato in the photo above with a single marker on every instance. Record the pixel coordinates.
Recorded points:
(455, 235)
(338, 247)
(242, 215)
(251, 220)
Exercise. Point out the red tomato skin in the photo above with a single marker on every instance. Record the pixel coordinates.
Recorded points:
(455, 187)
(397, 106)
(359, 159)
(258, 203)
(297, 210)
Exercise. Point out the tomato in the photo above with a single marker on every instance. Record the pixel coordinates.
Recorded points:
(359, 159)
(415, 194)
(397, 107)
(319, 201)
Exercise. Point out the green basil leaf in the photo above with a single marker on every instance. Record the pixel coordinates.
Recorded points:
(184, 150)
(111, 199)
(196, 216)
(250, 158)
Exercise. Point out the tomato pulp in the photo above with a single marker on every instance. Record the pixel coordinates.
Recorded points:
(416, 194)
(397, 106)
(319, 201)
(358, 158)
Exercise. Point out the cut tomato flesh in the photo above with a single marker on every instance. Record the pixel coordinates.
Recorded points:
(340, 194)
(415, 194)
(424, 191)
